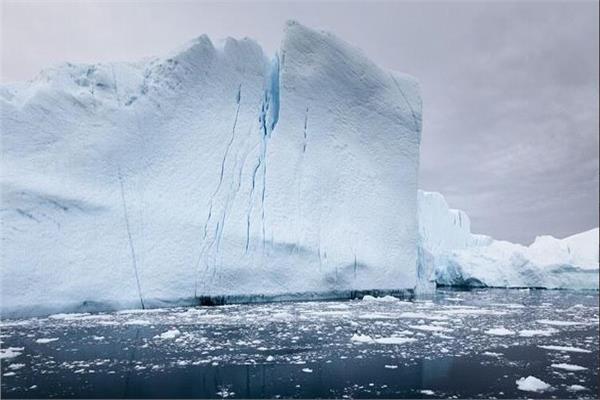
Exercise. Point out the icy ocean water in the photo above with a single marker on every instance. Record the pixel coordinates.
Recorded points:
(463, 344)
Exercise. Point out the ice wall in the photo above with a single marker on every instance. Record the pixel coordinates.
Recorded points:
(214, 171)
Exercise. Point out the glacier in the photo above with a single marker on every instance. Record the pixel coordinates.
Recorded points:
(214, 171)
(450, 255)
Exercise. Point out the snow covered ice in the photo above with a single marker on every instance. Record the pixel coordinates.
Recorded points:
(451, 255)
(214, 171)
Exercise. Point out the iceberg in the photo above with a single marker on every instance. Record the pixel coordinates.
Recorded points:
(450, 255)
(214, 171)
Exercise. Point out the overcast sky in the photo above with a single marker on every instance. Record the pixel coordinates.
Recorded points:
(510, 90)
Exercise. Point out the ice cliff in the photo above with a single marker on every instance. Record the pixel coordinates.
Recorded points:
(451, 255)
(214, 171)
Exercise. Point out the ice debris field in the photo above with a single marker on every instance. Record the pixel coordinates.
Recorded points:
(514, 343)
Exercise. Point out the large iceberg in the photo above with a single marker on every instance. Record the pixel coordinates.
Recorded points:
(451, 255)
(215, 171)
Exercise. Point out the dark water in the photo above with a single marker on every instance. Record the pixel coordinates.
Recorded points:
(441, 347)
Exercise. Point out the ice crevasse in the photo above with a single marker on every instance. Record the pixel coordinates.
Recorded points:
(214, 171)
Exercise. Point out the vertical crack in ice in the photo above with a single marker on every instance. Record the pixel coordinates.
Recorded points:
(416, 120)
(305, 131)
(227, 201)
(299, 177)
(114, 76)
(273, 93)
(208, 245)
(251, 203)
(224, 160)
(127, 226)
(268, 118)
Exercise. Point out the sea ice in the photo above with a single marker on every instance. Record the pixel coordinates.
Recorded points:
(11, 352)
(558, 323)
(565, 349)
(170, 334)
(46, 340)
(430, 328)
(532, 384)
(537, 332)
(576, 388)
(568, 367)
(500, 332)
(394, 340)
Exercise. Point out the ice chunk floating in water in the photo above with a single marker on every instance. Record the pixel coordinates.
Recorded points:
(214, 171)
(532, 384)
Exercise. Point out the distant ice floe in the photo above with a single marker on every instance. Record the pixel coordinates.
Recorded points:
(492, 354)
(431, 328)
(568, 367)
(537, 332)
(46, 340)
(532, 384)
(170, 334)
(565, 349)
(576, 388)
(500, 332)
(559, 323)
(358, 338)
(11, 352)
(384, 299)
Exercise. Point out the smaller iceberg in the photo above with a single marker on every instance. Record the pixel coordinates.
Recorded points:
(450, 255)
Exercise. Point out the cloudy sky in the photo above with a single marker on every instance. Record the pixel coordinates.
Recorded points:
(510, 90)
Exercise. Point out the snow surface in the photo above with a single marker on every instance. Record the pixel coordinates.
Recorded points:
(214, 171)
(450, 254)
